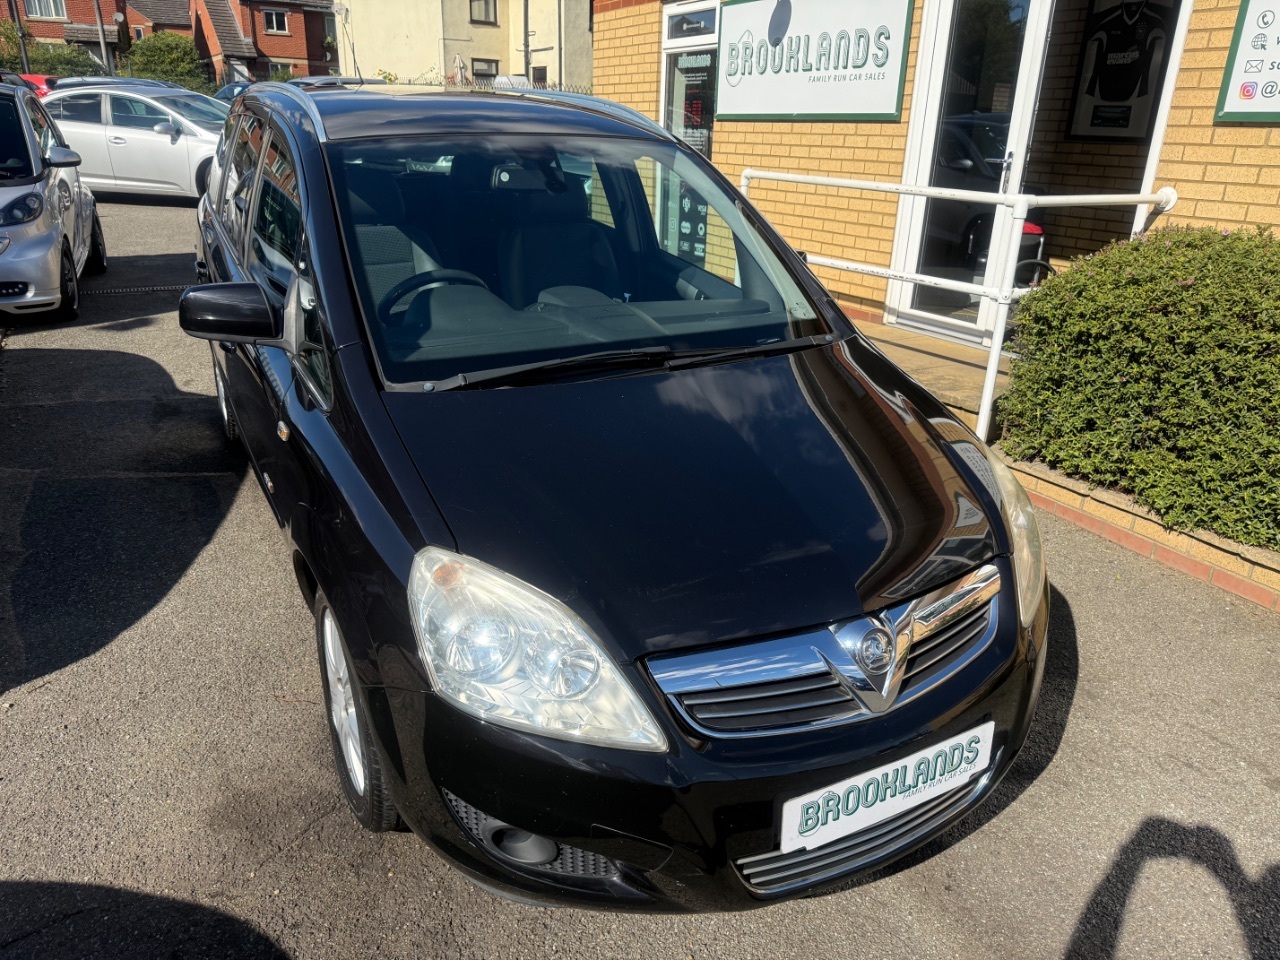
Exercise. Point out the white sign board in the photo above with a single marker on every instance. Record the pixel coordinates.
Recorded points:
(1251, 83)
(812, 59)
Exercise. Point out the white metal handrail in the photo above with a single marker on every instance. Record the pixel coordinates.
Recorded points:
(1002, 295)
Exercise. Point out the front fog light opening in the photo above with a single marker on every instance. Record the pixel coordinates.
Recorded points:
(526, 850)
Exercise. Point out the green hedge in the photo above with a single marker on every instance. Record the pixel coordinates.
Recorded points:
(59, 60)
(168, 56)
(1153, 367)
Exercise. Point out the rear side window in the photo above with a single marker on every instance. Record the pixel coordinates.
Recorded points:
(241, 173)
(79, 108)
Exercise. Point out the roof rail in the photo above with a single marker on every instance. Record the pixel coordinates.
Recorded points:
(301, 98)
(610, 108)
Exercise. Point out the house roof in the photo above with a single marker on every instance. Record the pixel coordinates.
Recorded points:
(172, 12)
(227, 28)
(87, 32)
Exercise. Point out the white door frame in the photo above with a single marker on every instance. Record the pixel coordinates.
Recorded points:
(922, 132)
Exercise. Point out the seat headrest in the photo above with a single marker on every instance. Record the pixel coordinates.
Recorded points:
(375, 197)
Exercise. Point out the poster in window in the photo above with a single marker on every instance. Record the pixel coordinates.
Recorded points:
(691, 97)
(1124, 55)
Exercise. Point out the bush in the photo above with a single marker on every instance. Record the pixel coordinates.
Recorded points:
(1154, 367)
(281, 74)
(168, 56)
(59, 60)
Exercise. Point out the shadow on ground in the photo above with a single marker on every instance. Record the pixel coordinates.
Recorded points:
(1256, 904)
(112, 480)
(40, 921)
(131, 272)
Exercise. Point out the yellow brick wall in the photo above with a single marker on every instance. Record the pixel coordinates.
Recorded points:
(627, 55)
(1227, 175)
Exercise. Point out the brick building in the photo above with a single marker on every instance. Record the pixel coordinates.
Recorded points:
(71, 21)
(248, 39)
(1060, 96)
(146, 17)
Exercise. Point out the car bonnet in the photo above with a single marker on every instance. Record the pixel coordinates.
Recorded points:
(674, 509)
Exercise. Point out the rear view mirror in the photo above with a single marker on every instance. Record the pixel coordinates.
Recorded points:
(165, 128)
(62, 157)
(512, 176)
(229, 312)
(961, 163)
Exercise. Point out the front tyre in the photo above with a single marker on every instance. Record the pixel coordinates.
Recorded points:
(97, 262)
(68, 289)
(359, 768)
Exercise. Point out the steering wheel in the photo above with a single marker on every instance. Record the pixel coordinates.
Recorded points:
(420, 281)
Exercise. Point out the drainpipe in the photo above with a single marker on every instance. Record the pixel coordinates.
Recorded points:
(22, 35)
(560, 40)
(528, 56)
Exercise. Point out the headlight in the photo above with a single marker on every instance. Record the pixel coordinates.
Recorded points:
(505, 652)
(23, 210)
(1028, 554)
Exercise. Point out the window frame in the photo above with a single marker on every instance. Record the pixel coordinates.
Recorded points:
(239, 244)
(491, 7)
(42, 124)
(266, 22)
(476, 75)
(27, 4)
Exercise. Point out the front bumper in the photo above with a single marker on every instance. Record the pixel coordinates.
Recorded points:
(686, 830)
(30, 261)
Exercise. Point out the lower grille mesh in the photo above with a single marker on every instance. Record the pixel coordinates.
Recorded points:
(777, 871)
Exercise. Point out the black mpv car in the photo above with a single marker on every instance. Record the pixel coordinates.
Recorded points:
(640, 578)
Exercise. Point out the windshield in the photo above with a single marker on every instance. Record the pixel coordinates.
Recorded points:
(204, 112)
(15, 161)
(481, 252)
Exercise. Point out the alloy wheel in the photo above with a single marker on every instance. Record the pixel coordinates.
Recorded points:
(342, 704)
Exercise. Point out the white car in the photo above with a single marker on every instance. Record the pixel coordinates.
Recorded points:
(135, 139)
(49, 228)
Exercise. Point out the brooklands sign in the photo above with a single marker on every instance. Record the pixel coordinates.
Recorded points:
(812, 59)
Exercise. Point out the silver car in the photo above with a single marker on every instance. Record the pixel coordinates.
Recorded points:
(137, 139)
(49, 227)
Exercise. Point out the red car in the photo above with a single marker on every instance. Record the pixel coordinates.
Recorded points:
(44, 83)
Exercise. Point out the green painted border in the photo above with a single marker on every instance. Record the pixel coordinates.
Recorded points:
(1236, 116)
(895, 117)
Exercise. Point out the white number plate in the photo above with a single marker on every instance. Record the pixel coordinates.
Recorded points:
(862, 801)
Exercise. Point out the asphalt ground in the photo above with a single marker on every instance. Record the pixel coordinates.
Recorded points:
(166, 780)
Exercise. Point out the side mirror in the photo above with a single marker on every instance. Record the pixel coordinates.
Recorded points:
(165, 128)
(229, 312)
(961, 163)
(62, 157)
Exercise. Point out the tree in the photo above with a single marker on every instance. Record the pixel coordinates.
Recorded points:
(168, 56)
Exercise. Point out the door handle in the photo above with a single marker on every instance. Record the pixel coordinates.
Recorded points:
(117, 140)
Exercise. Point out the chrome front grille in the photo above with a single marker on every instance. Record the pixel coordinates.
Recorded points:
(812, 680)
(778, 872)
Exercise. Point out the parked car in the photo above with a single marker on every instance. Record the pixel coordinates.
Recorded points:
(147, 140)
(49, 227)
(16, 80)
(68, 83)
(326, 80)
(42, 83)
(231, 91)
(637, 583)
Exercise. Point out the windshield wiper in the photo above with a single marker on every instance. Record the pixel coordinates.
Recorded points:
(702, 357)
(640, 357)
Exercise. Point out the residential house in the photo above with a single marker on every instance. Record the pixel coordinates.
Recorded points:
(249, 39)
(467, 41)
(71, 21)
(146, 17)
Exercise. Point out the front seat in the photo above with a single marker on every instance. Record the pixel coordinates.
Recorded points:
(557, 246)
(391, 249)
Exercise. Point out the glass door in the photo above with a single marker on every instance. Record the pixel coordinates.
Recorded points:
(972, 134)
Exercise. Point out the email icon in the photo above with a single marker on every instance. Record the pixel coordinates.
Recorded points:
(1253, 66)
